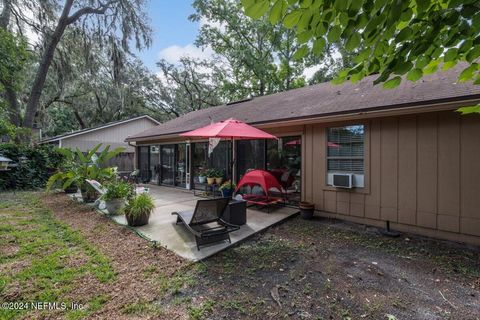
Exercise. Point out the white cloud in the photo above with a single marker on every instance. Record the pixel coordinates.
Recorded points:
(173, 53)
(310, 71)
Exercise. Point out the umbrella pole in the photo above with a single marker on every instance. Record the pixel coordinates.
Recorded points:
(233, 163)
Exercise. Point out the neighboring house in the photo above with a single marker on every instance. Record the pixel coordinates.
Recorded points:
(359, 152)
(112, 134)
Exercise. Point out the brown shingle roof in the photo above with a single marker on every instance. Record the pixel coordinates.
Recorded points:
(326, 99)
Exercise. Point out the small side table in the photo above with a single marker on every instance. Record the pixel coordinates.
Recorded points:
(236, 212)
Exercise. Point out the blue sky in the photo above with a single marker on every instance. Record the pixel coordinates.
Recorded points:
(173, 33)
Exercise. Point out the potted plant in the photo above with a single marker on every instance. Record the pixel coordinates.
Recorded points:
(138, 209)
(227, 189)
(307, 209)
(210, 173)
(202, 177)
(218, 176)
(89, 165)
(116, 194)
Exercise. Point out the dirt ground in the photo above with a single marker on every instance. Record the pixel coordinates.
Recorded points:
(318, 269)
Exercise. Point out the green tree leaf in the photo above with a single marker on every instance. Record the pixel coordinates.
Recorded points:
(414, 74)
(334, 34)
(277, 12)
(451, 54)
(468, 73)
(469, 110)
(448, 65)
(473, 54)
(392, 83)
(319, 46)
(292, 18)
(353, 42)
(300, 53)
(257, 9)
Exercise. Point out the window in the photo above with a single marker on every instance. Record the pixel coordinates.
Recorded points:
(345, 149)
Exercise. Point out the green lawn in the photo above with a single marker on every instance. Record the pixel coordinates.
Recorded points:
(38, 261)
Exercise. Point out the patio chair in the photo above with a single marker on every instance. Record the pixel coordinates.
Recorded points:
(206, 223)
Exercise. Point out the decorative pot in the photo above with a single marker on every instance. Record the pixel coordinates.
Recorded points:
(137, 221)
(202, 179)
(306, 210)
(218, 180)
(210, 180)
(71, 189)
(115, 205)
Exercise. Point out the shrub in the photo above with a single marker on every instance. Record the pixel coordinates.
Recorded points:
(139, 205)
(227, 185)
(80, 166)
(32, 167)
(117, 190)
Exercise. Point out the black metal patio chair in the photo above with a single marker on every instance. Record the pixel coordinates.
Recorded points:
(206, 223)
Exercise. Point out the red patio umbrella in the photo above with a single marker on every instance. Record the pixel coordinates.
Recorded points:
(229, 129)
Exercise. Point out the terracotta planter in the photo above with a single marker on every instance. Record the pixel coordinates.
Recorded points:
(210, 180)
(306, 210)
(137, 221)
(218, 180)
(115, 205)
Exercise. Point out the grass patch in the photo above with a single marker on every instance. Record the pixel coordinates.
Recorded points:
(142, 309)
(47, 245)
(201, 311)
(174, 285)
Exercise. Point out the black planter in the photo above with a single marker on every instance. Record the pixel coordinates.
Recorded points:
(137, 221)
(306, 210)
(71, 189)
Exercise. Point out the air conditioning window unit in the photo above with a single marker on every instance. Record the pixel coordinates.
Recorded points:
(343, 180)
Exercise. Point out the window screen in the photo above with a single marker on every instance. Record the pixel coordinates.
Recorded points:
(345, 149)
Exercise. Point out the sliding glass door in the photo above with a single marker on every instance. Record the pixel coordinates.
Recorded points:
(167, 154)
(154, 164)
(219, 159)
(181, 168)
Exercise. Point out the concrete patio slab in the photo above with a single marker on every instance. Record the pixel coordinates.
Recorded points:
(162, 228)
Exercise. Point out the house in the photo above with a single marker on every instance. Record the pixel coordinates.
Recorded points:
(359, 152)
(112, 134)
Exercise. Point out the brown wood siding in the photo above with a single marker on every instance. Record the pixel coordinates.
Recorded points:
(422, 175)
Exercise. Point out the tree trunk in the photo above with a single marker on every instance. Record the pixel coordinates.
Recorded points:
(5, 14)
(13, 108)
(79, 119)
(45, 62)
(10, 94)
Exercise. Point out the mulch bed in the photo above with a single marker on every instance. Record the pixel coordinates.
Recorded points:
(136, 262)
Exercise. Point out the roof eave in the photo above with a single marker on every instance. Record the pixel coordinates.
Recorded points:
(411, 107)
